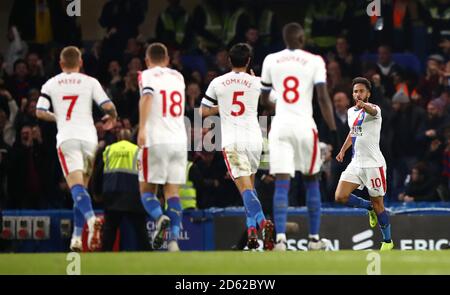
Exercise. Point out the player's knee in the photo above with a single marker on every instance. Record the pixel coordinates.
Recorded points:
(339, 197)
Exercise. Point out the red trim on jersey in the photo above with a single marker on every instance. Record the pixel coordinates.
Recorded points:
(227, 163)
(62, 160)
(139, 78)
(355, 123)
(145, 163)
(383, 179)
(314, 155)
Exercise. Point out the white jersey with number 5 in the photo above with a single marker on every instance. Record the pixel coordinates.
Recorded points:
(293, 74)
(237, 95)
(71, 95)
(165, 123)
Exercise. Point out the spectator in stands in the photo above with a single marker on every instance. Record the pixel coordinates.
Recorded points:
(207, 25)
(16, 50)
(18, 84)
(27, 113)
(386, 67)
(121, 19)
(323, 23)
(29, 171)
(36, 73)
(420, 187)
(341, 103)
(177, 64)
(221, 62)
(193, 98)
(134, 48)
(335, 81)
(128, 105)
(434, 124)
(405, 123)
(8, 113)
(135, 65)
(429, 85)
(349, 63)
(260, 51)
(116, 84)
(172, 26)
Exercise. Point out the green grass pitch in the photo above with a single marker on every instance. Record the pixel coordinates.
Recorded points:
(340, 262)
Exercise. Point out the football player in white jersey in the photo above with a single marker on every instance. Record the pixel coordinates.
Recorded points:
(163, 141)
(71, 94)
(368, 167)
(235, 96)
(293, 140)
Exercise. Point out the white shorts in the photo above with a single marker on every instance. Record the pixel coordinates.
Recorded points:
(75, 154)
(241, 160)
(372, 178)
(162, 164)
(294, 149)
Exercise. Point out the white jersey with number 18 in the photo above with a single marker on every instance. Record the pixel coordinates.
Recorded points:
(71, 95)
(165, 122)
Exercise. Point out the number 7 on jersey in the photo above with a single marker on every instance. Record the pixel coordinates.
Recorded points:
(73, 100)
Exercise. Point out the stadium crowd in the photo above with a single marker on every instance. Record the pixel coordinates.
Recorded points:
(404, 53)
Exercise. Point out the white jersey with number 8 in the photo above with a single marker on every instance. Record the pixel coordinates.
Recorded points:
(71, 95)
(293, 138)
(293, 74)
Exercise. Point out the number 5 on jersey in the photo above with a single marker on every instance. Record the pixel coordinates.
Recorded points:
(73, 100)
(238, 103)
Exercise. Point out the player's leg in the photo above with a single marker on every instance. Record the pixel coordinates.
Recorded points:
(151, 173)
(351, 179)
(383, 221)
(280, 206)
(148, 188)
(376, 184)
(240, 166)
(175, 213)
(177, 167)
(309, 163)
(282, 165)
(76, 244)
(95, 225)
(70, 154)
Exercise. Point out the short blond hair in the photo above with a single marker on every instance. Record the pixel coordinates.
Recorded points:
(70, 56)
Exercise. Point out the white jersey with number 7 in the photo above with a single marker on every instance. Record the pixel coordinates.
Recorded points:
(71, 95)
(293, 74)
